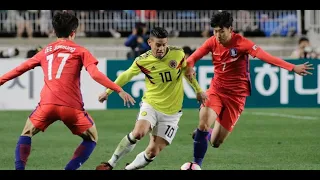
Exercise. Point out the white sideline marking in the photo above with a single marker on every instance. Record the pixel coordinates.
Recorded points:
(283, 115)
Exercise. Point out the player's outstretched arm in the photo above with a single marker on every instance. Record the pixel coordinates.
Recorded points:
(123, 79)
(106, 82)
(193, 82)
(102, 79)
(255, 51)
(126, 76)
(301, 69)
(19, 70)
(127, 98)
(201, 95)
(203, 50)
(90, 62)
(191, 79)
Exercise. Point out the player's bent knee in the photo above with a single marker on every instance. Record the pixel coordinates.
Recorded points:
(138, 134)
(153, 152)
(141, 128)
(30, 132)
(87, 137)
(29, 129)
(156, 145)
(90, 135)
(204, 127)
(94, 138)
(205, 124)
(207, 118)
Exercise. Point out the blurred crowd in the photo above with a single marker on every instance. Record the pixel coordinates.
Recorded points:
(134, 25)
(305, 50)
(27, 21)
(138, 44)
(37, 23)
(119, 23)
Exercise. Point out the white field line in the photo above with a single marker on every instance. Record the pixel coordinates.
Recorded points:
(282, 115)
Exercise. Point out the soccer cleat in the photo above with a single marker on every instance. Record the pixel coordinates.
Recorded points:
(104, 166)
(194, 134)
(126, 166)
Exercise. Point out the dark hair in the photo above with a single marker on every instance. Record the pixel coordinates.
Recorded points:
(64, 23)
(221, 19)
(140, 24)
(159, 32)
(303, 39)
(139, 28)
(187, 50)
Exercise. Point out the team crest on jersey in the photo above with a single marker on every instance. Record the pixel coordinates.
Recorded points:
(255, 47)
(233, 52)
(173, 64)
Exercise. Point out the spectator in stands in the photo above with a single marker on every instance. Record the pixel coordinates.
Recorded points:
(137, 41)
(151, 15)
(247, 21)
(304, 50)
(22, 20)
(45, 24)
(207, 32)
(81, 31)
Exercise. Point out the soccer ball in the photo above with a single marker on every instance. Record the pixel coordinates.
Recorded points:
(190, 166)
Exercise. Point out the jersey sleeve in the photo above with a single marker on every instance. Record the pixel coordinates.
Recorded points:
(127, 75)
(193, 82)
(263, 55)
(250, 47)
(102, 79)
(203, 50)
(256, 51)
(22, 68)
(88, 59)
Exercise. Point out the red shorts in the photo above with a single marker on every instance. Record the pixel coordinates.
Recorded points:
(228, 108)
(76, 120)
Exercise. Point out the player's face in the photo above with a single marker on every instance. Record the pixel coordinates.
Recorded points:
(223, 35)
(158, 46)
(304, 44)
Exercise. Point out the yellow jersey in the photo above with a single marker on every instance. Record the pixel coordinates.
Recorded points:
(163, 79)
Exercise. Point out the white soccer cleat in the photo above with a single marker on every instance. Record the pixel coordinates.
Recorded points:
(190, 166)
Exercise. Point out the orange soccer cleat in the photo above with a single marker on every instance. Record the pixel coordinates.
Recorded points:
(104, 166)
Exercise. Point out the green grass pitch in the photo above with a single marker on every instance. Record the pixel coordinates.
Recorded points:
(263, 139)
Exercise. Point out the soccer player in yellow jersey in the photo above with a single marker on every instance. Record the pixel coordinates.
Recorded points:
(161, 107)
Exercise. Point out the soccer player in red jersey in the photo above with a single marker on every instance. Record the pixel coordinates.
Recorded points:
(61, 99)
(231, 82)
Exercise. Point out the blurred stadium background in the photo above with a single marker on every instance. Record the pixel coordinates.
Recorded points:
(104, 31)
(278, 130)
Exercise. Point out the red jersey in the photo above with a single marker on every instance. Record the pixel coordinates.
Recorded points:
(62, 62)
(231, 63)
